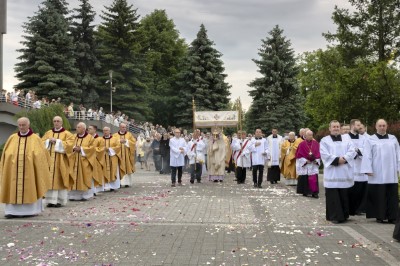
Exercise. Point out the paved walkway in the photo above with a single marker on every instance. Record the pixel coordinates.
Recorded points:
(200, 224)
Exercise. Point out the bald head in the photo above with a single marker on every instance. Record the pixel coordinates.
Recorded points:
(122, 127)
(23, 125)
(381, 126)
(309, 135)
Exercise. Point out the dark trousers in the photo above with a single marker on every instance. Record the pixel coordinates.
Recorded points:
(382, 201)
(358, 197)
(337, 204)
(166, 169)
(260, 169)
(157, 162)
(241, 175)
(173, 174)
(195, 172)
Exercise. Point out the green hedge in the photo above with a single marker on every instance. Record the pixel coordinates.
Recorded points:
(42, 119)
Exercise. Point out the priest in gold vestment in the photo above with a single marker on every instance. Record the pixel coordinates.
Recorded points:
(111, 148)
(58, 143)
(127, 144)
(24, 172)
(216, 151)
(82, 164)
(288, 160)
(98, 173)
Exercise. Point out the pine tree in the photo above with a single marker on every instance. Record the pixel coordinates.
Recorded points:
(85, 46)
(276, 97)
(164, 51)
(202, 78)
(47, 62)
(371, 32)
(118, 49)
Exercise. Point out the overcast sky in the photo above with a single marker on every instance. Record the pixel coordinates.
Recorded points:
(235, 26)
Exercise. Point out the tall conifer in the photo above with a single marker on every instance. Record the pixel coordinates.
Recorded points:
(276, 97)
(47, 62)
(118, 49)
(202, 78)
(86, 60)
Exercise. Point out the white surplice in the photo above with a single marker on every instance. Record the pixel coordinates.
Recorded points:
(340, 176)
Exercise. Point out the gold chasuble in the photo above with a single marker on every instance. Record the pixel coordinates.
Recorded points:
(82, 163)
(98, 173)
(288, 159)
(24, 169)
(59, 163)
(126, 154)
(228, 150)
(110, 158)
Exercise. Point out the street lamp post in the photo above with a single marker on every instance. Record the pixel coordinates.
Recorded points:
(3, 30)
(111, 89)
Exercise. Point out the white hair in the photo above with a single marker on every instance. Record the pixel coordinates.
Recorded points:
(26, 119)
(83, 124)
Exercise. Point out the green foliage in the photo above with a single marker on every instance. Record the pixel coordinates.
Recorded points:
(47, 63)
(202, 78)
(42, 119)
(277, 101)
(369, 33)
(119, 51)
(333, 90)
(86, 59)
(164, 51)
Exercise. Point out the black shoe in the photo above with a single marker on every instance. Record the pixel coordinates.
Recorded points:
(259, 186)
(94, 194)
(198, 181)
(380, 221)
(173, 185)
(83, 200)
(392, 221)
(111, 189)
(254, 185)
(58, 205)
(126, 185)
(315, 196)
(305, 195)
(192, 181)
(10, 216)
(234, 179)
(215, 181)
(335, 222)
(221, 181)
(50, 205)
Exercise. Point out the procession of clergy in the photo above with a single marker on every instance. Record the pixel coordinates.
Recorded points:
(360, 170)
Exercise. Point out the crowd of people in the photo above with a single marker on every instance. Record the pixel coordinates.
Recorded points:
(360, 171)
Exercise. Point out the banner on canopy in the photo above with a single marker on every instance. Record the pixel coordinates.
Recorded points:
(216, 118)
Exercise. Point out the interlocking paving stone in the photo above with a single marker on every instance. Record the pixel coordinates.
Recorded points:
(200, 224)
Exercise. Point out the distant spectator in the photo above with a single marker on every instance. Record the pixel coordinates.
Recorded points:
(14, 96)
(37, 104)
(28, 99)
(71, 110)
